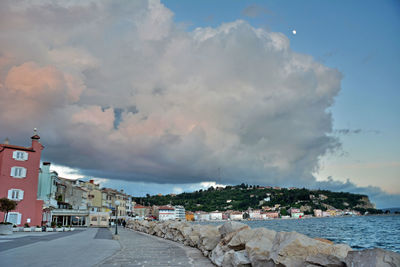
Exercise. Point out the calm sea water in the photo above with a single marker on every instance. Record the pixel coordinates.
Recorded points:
(359, 232)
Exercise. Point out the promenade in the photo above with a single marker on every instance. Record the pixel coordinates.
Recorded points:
(139, 249)
(95, 247)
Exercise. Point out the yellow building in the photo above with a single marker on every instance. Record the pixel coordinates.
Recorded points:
(94, 195)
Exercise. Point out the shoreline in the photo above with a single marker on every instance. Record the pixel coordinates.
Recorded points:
(237, 244)
(303, 218)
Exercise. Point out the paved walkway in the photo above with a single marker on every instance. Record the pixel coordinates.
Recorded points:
(138, 249)
(70, 249)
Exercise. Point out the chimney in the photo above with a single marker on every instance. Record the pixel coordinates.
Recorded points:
(46, 167)
(91, 181)
(6, 141)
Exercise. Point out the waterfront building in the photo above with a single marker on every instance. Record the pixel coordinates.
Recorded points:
(47, 186)
(236, 216)
(19, 175)
(140, 211)
(297, 215)
(189, 216)
(318, 213)
(270, 215)
(333, 212)
(106, 200)
(255, 214)
(201, 216)
(215, 215)
(47, 190)
(326, 214)
(129, 204)
(70, 195)
(110, 196)
(179, 213)
(165, 213)
(72, 202)
(94, 200)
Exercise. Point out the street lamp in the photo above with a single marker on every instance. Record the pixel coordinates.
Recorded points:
(116, 216)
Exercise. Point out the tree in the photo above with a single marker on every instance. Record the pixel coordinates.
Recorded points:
(7, 205)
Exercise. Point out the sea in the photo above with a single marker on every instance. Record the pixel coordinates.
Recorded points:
(359, 232)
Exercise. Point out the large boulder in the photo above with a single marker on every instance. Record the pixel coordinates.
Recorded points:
(372, 258)
(209, 237)
(218, 253)
(259, 248)
(229, 227)
(293, 249)
(240, 258)
(236, 259)
(239, 240)
(325, 260)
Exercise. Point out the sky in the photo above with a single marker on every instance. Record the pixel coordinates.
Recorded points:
(172, 96)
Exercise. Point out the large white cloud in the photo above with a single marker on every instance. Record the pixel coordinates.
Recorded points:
(119, 91)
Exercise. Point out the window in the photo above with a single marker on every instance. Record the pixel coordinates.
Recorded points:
(94, 219)
(20, 155)
(15, 194)
(18, 172)
(14, 218)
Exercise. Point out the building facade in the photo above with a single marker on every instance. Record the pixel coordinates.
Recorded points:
(19, 173)
(179, 213)
(165, 213)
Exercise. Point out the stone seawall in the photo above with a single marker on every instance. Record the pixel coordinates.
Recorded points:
(236, 244)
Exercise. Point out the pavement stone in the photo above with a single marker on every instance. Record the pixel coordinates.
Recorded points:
(65, 249)
(20, 239)
(139, 249)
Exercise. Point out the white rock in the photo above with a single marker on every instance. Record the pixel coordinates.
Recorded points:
(373, 258)
(292, 249)
(209, 238)
(229, 227)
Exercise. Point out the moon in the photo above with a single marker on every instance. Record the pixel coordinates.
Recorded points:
(294, 32)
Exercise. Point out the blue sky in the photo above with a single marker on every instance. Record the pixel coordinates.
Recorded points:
(156, 97)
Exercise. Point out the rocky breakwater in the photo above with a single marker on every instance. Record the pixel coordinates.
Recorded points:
(236, 244)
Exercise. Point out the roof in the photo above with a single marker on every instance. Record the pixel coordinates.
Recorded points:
(139, 207)
(2, 146)
(165, 208)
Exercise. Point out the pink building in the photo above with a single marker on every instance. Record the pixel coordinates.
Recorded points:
(19, 174)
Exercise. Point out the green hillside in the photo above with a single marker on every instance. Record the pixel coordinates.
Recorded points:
(242, 197)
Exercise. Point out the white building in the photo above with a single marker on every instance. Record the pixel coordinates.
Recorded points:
(318, 213)
(255, 215)
(201, 216)
(180, 213)
(236, 216)
(129, 206)
(216, 215)
(166, 213)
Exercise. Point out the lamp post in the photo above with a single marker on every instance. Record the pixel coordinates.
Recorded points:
(116, 217)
